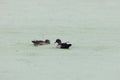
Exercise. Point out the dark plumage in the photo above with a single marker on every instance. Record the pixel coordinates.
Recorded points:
(62, 45)
(40, 42)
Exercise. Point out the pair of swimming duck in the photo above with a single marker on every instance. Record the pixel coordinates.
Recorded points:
(58, 41)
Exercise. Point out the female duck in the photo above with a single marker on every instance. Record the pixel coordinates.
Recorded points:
(40, 42)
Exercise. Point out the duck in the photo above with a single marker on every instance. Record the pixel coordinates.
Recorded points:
(41, 42)
(61, 45)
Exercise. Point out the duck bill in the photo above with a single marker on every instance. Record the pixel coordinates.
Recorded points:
(55, 43)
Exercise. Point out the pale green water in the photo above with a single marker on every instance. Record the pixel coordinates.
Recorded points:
(91, 26)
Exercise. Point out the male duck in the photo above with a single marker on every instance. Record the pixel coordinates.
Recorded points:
(62, 45)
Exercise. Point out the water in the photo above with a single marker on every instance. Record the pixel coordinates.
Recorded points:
(91, 26)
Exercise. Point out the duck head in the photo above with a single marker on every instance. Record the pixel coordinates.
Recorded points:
(47, 41)
(58, 41)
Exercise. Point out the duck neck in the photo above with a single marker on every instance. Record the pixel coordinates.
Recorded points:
(59, 43)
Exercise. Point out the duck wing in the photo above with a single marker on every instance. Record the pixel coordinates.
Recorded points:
(65, 45)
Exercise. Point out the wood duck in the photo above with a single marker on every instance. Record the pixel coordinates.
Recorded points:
(62, 45)
(40, 42)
